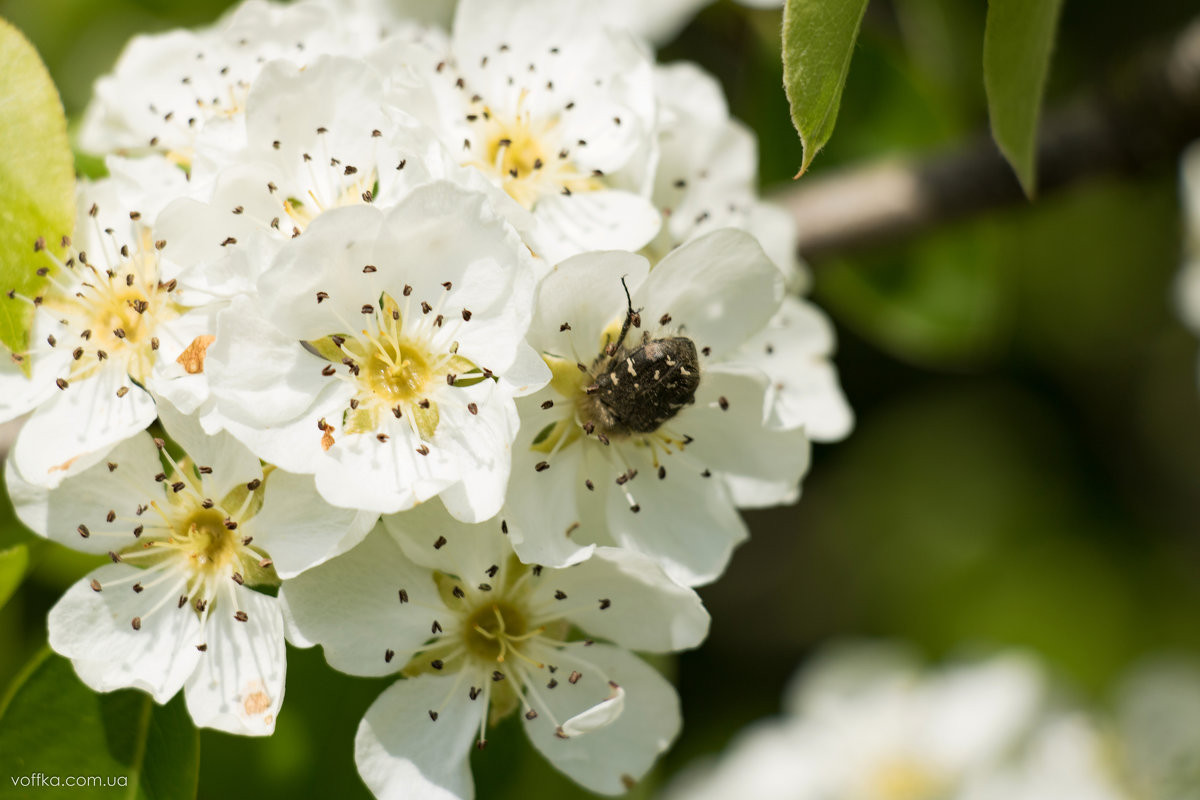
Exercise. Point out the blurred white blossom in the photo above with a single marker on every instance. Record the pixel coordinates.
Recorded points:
(866, 723)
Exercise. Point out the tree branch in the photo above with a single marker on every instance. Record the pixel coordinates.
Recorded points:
(1142, 117)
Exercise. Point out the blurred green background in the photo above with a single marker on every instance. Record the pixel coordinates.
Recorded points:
(1024, 469)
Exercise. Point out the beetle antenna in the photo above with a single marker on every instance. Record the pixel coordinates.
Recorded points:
(631, 318)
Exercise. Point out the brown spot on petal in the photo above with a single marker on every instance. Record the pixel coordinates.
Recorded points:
(256, 703)
(192, 358)
(66, 465)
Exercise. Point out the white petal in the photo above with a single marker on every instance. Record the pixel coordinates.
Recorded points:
(730, 436)
(238, 683)
(231, 463)
(842, 672)
(30, 503)
(79, 425)
(544, 505)
(719, 289)
(403, 754)
(586, 293)
(88, 498)
(527, 374)
(293, 445)
(659, 21)
(686, 521)
(169, 379)
(775, 228)
(361, 472)
(483, 444)
(693, 94)
(298, 529)
(625, 597)
(351, 606)
(439, 233)
(598, 716)
(258, 374)
(793, 351)
(431, 537)
(760, 493)
(96, 627)
(1068, 758)
(766, 761)
(198, 251)
(604, 760)
(147, 184)
(20, 393)
(602, 220)
(977, 712)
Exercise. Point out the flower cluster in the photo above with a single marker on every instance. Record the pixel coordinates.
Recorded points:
(455, 352)
(866, 721)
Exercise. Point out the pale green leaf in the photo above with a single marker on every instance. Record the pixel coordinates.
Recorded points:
(818, 41)
(1016, 60)
(13, 563)
(55, 726)
(37, 180)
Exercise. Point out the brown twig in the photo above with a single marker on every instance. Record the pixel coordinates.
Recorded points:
(1141, 118)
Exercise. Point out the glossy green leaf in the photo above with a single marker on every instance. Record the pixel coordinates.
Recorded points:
(818, 42)
(13, 563)
(37, 179)
(55, 727)
(1016, 60)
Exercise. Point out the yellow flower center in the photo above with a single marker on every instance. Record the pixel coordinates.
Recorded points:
(113, 313)
(207, 542)
(353, 192)
(526, 155)
(396, 373)
(493, 631)
(905, 779)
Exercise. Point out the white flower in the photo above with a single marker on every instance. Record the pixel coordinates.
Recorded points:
(188, 538)
(901, 734)
(316, 138)
(794, 351)
(637, 452)
(865, 723)
(707, 175)
(384, 353)
(1158, 724)
(559, 111)
(661, 20)
(707, 179)
(1067, 758)
(108, 326)
(167, 88)
(481, 635)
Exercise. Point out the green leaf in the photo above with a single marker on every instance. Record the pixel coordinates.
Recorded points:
(13, 563)
(1016, 60)
(55, 726)
(37, 180)
(818, 41)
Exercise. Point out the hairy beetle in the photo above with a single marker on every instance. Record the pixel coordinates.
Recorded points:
(637, 389)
